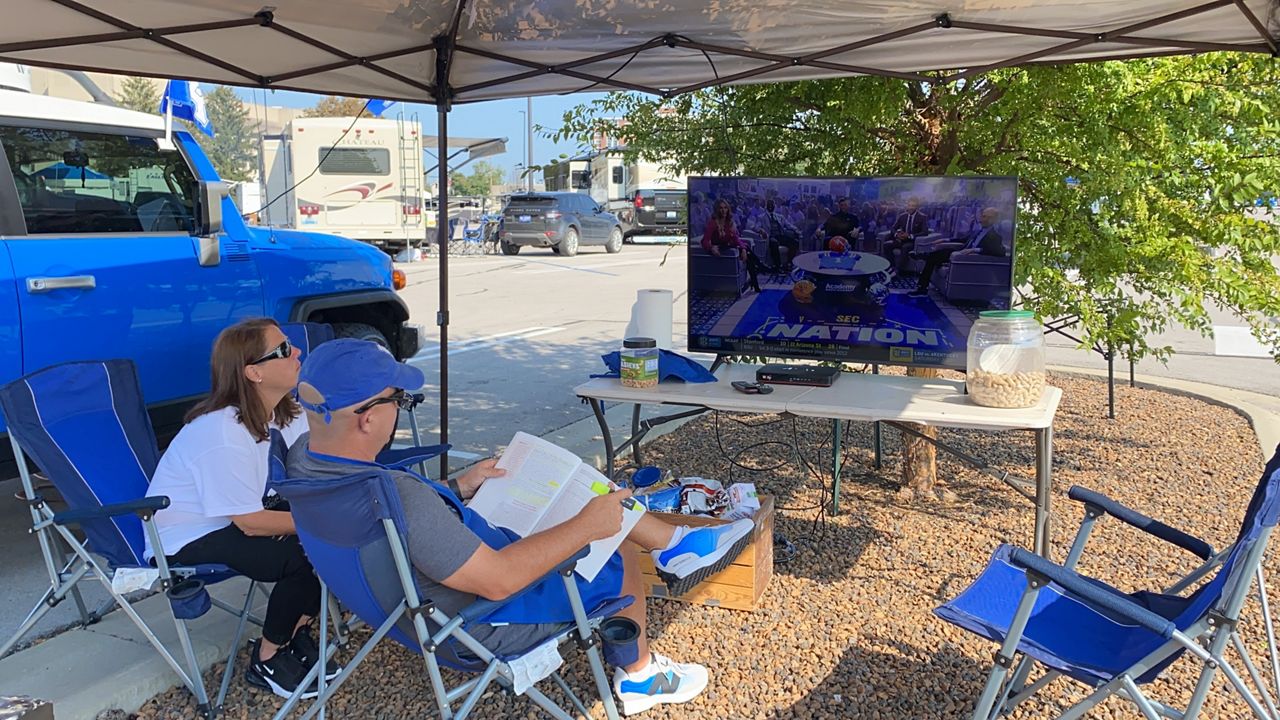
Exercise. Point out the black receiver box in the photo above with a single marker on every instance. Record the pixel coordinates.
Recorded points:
(778, 374)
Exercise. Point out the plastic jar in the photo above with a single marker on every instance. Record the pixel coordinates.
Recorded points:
(639, 362)
(1006, 359)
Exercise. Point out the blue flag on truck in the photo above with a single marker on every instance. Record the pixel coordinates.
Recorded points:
(377, 107)
(184, 100)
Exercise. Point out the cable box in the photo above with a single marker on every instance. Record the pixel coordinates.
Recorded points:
(779, 374)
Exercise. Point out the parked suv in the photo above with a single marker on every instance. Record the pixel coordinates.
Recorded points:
(660, 212)
(115, 243)
(562, 221)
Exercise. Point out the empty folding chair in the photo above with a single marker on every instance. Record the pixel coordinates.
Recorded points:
(1081, 628)
(85, 425)
(353, 529)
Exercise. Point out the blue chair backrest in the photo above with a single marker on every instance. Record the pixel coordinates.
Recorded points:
(340, 524)
(1233, 576)
(86, 426)
(305, 336)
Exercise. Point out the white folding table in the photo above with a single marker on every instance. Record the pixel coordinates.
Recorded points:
(892, 399)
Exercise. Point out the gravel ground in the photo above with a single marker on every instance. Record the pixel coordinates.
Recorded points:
(845, 628)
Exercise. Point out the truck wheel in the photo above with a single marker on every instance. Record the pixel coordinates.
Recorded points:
(510, 248)
(615, 241)
(360, 331)
(569, 245)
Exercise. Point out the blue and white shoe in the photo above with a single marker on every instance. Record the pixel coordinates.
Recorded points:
(698, 553)
(661, 681)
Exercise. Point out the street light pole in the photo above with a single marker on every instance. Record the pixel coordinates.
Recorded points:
(524, 120)
(528, 163)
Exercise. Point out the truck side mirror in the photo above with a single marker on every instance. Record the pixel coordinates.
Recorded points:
(209, 197)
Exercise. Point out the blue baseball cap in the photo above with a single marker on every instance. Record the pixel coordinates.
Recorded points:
(345, 372)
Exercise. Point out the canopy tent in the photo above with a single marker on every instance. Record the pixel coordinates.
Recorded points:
(451, 51)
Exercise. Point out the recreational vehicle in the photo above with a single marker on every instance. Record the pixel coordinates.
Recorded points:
(366, 185)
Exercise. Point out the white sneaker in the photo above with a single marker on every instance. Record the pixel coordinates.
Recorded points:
(698, 553)
(661, 681)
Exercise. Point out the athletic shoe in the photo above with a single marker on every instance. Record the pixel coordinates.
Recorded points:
(661, 681)
(698, 553)
(304, 647)
(281, 674)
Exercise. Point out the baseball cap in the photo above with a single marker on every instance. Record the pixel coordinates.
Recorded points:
(344, 372)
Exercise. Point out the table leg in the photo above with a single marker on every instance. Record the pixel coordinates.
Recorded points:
(835, 467)
(635, 431)
(1044, 487)
(597, 407)
(875, 439)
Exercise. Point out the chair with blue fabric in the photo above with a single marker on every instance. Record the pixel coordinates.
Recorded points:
(85, 425)
(305, 336)
(354, 531)
(1081, 628)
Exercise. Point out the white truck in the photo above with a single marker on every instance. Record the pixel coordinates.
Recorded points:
(648, 200)
(366, 185)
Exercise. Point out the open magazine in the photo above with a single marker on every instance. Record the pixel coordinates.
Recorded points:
(546, 485)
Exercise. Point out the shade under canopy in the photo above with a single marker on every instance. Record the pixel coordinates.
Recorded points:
(394, 48)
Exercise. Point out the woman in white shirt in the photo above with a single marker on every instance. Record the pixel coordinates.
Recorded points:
(215, 473)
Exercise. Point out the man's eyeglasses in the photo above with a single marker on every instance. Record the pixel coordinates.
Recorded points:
(279, 352)
(402, 399)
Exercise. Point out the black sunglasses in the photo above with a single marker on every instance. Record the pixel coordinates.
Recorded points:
(402, 399)
(279, 352)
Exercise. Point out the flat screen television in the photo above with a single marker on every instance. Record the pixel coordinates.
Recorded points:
(889, 270)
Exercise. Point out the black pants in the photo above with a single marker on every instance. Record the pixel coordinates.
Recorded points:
(775, 250)
(938, 257)
(265, 559)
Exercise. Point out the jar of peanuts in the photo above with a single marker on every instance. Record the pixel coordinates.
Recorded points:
(1006, 359)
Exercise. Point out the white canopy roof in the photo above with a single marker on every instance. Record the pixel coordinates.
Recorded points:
(394, 48)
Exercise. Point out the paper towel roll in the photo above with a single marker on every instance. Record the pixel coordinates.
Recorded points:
(651, 316)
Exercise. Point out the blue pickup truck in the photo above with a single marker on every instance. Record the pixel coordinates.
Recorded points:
(115, 243)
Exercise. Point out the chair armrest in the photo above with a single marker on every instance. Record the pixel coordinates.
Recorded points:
(1082, 587)
(482, 607)
(979, 259)
(140, 507)
(1099, 503)
(404, 457)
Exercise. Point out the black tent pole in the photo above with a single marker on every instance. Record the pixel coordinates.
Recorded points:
(444, 58)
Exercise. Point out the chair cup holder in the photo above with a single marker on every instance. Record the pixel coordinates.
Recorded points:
(189, 599)
(620, 639)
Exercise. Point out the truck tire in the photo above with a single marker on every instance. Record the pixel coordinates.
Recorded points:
(361, 331)
(615, 241)
(568, 247)
(509, 248)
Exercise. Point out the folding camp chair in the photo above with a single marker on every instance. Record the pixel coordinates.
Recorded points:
(1114, 642)
(353, 529)
(86, 426)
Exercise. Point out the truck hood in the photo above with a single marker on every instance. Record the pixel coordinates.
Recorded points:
(294, 264)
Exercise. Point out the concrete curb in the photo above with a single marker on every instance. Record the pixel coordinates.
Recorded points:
(109, 665)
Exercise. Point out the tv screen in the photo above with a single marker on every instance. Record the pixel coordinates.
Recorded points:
(887, 270)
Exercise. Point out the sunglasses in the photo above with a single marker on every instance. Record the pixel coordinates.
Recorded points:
(279, 352)
(403, 400)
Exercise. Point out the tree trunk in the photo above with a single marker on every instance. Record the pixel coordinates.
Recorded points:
(920, 459)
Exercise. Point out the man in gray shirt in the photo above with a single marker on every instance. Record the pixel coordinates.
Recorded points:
(352, 391)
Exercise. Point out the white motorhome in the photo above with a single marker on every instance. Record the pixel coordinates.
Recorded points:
(366, 185)
(629, 189)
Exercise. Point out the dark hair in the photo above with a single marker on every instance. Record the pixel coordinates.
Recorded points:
(236, 347)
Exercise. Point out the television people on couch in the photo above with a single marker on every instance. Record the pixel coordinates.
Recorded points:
(721, 235)
(984, 240)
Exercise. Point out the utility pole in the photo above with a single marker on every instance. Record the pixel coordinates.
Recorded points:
(528, 162)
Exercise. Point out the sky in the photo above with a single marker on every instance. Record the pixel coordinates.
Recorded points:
(495, 118)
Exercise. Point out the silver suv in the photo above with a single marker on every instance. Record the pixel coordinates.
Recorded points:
(562, 221)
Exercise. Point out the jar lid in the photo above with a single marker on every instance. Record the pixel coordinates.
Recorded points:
(1006, 314)
(639, 342)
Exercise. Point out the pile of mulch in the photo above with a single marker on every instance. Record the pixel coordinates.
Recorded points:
(845, 629)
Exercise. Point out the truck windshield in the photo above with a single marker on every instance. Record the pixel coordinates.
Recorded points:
(79, 181)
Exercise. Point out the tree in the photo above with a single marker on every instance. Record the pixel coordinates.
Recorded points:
(336, 106)
(1165, 154)
(482, 178)
(233, 149)
(139, 93)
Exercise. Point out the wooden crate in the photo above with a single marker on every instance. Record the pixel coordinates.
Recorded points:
(739, 586)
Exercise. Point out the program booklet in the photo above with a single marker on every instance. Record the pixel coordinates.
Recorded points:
(546, 485)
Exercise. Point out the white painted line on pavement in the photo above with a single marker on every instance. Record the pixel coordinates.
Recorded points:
(490, 341)
(586, 268)
(1237, 341)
